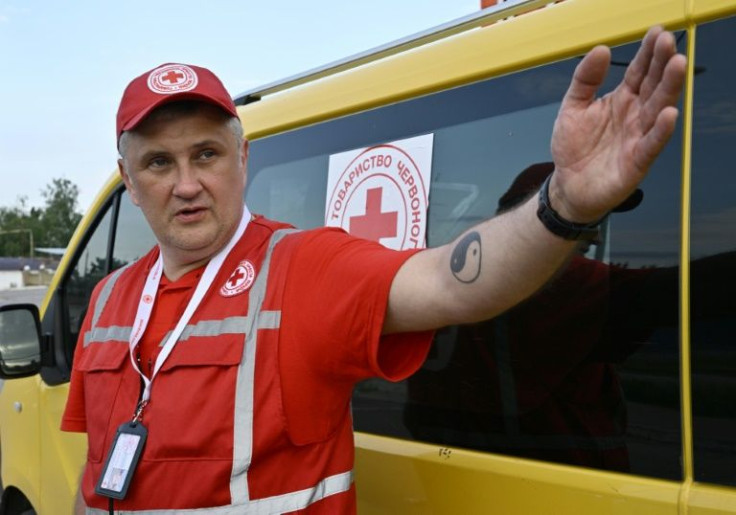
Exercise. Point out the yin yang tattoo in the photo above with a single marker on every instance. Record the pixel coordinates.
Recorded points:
(465, 261)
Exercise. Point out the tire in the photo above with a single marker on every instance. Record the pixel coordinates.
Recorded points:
(15, 503)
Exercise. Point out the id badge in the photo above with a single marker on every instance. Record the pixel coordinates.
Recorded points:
(122, 460)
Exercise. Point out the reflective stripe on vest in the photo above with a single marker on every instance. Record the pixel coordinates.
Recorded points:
(207, 328)
(102, 299)
(244, 386)
(244, 403)
(268, 506)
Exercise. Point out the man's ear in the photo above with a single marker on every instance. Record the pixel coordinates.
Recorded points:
(244, 157)
(128, 183)
(246, 148)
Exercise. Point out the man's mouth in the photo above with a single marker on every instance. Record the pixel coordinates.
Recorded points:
(190, 214)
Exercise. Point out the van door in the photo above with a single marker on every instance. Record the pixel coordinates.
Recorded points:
(118, 236)
(574, 398)
(713, 271)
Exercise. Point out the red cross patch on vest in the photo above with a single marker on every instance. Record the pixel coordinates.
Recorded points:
(240, 280)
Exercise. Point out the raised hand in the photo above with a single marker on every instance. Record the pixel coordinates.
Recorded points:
(603, 148)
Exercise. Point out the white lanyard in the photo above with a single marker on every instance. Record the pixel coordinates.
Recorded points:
(148, 297)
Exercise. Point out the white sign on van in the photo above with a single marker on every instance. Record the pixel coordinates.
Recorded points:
(381, 193)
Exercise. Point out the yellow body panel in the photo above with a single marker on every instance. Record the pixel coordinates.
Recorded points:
(68, 450)
(706, 10)
(711, 500)
(399, 477)
(395, 476)
(21, 464)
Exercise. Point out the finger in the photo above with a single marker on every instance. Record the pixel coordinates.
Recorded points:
(652, 143)
(639, 66)
(588, 77)
(664, 49)
(666, 93)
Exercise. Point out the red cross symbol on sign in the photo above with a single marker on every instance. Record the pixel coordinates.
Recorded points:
(238, 274)
(172, 77)
(374, 224)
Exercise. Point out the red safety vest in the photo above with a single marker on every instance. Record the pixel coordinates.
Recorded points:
(217, 434)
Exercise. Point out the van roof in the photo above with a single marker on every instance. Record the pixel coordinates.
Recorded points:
(479, 18)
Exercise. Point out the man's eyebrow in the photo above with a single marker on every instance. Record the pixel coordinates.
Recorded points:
(154, 152)
(206, 143)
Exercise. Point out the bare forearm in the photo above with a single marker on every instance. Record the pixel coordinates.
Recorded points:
(518, 256)
(487, 270)
(601, 147)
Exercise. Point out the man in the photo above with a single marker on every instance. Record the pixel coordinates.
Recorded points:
(249, 413)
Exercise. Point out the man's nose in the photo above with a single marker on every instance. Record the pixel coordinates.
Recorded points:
(187, 181)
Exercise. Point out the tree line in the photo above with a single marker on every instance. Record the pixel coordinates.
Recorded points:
(51, 225)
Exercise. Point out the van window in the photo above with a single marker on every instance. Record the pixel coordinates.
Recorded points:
(132, 237)
(90, 267)
(585, 374)
(713, 265)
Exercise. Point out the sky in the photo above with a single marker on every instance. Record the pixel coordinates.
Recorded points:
(65, 65)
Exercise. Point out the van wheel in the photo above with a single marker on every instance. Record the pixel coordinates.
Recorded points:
(15, 503)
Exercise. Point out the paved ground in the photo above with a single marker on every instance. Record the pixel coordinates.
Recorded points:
(32, 295)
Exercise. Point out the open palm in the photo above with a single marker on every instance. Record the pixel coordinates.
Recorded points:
(603, 148)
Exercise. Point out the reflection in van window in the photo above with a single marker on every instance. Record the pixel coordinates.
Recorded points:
(587, 372)
(90, 268)
(713, 265)
(133, 236)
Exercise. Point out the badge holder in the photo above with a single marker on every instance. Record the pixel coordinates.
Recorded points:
(122, 460)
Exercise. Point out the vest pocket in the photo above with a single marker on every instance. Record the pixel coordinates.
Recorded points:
(101, 364)
(204, 351)
(192, 405)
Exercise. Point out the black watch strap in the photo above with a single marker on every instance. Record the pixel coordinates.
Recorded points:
(558, 225)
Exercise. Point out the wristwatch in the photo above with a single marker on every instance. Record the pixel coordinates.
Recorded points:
(558, 225)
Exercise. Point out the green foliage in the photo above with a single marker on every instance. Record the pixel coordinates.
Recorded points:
(60, 217)
(50, 226)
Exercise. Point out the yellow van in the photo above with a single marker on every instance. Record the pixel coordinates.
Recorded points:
(612, 391)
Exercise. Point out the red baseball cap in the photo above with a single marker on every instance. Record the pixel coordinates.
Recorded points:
(167, 83)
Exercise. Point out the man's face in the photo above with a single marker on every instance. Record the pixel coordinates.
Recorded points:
(187, 173)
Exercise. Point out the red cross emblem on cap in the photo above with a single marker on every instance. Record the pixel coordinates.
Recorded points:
(240, 280)
(172, 78)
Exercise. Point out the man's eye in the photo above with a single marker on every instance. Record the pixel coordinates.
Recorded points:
(207, 154)
(158, 162)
